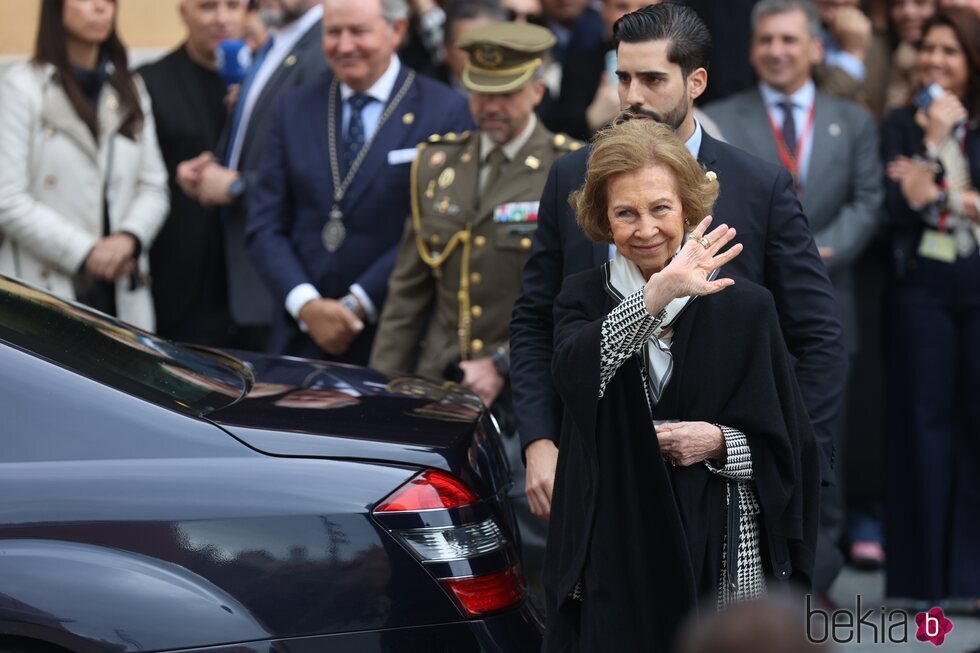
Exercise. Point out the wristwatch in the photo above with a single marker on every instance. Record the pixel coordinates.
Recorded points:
(350, 302)
(237, 188)
(501, 361)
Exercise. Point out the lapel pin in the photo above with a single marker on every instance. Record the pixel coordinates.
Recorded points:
(408, 118)
(834, 129)
(290, 61)
(532, 162)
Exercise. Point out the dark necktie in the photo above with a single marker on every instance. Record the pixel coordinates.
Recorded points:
(496, 160)
(355, 139)
(789, 127)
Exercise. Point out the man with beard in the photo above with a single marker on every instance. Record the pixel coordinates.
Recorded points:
(474, 213)
(291, 57)
(662, 68)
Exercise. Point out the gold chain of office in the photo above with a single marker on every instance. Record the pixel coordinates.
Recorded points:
(334, 231)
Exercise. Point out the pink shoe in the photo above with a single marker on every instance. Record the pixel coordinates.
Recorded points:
(867, 554)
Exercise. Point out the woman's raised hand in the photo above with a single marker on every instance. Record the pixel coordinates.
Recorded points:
(687, 273)
(941, 118)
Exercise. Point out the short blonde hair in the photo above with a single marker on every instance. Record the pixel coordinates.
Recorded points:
(629, 146)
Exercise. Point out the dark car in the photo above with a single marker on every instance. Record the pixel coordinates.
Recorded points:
(162, 497)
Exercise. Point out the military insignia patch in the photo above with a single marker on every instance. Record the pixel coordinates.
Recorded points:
(516, 212)
(488, 55)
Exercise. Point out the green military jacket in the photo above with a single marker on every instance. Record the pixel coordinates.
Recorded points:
(459, 263)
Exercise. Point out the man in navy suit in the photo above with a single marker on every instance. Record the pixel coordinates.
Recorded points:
(663, 53)
(332, 194)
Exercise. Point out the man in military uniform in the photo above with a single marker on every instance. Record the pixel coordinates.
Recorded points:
(474, 212)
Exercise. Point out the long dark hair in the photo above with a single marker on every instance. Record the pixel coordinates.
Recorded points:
(51, 48)
(966, 26)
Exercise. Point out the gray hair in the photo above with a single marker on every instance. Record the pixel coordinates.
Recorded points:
(765, 8)
(394, 10)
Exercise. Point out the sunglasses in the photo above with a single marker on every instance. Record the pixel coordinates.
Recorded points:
(534, 19)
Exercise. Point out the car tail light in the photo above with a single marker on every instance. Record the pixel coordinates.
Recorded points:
(437, 546)
(441, 544)
(483, 594)
(430, 490)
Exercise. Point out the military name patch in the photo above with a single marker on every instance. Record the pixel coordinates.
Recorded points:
(516, 212)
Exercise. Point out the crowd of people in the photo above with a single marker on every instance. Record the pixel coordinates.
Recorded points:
(512, 195)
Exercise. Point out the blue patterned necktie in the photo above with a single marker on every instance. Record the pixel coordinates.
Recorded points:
(789, 126)
(355, 138)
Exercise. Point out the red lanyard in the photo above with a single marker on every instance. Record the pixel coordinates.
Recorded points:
(791, 161)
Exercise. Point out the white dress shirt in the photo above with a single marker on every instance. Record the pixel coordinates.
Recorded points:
(381, 92)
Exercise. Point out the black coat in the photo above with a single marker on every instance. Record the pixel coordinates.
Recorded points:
(757, 198)
(187, 258)
(649, 537)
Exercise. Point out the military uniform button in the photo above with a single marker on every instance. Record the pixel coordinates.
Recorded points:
(476, 278)
(525, 243)
(480, 241)
(476, 311)
(477, 346)
(435, 239)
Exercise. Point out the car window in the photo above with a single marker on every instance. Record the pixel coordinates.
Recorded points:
(120, 356)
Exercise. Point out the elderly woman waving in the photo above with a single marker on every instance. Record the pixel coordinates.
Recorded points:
(687, 470)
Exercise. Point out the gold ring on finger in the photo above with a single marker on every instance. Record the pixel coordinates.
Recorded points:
(705, 242)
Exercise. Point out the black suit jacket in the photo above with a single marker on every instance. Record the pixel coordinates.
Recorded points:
(578, 87)
(757, 198)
